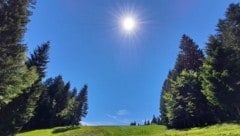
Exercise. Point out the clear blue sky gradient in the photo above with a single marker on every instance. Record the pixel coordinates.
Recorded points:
(125, 75)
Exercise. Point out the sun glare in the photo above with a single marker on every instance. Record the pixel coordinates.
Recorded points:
(128, 23)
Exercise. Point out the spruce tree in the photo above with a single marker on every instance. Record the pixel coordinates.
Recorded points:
(190, 57)
(81, 108)
(154, 120)
(182, 102)
(15, 77)
(221, 70)
(164, 101)
(38, 59)
(21, 109)
(190, 107)
(59, 106)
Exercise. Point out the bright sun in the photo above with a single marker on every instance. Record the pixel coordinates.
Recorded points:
(129, 24)
(129, 21)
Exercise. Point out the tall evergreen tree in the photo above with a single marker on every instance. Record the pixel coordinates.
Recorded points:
(38, 59)
(82, 105)
(182, 102)
(21, 109)
(154, 120)
(189, 107)
(163, 102)
(15, 76)
(59, 106)
(190, 56)
(221, 70)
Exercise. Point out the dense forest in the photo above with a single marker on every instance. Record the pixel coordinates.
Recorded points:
(27, 99)
(203, 88)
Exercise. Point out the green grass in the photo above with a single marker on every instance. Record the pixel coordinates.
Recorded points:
(215, 130)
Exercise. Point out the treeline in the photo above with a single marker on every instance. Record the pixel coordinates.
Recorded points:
(156, 120)
(205, 89)
(26, 100)
(58, 105)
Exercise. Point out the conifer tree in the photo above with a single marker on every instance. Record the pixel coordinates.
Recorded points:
(81, 108)
(154, 120)
(163, 101)
(38, 59)
(59, 106)
(190, 56)
(221, 70)
(15, 77)
(182, 102)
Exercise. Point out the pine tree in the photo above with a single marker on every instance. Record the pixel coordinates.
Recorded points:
(182, 102)
(82, 105)
(221, 70)
(190, 107)
(15, 76)
(59, 106)
(38, 59)
(190, 56)
(21, 109)
(154, 120)
(42, 113)
(58, 100)
(164, 101)
(134, 123)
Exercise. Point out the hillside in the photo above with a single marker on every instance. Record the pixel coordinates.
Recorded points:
(216, 130)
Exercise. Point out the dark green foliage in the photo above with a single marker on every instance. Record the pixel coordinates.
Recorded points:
(14, 17)
(21, 79)
(14, 75)
(154, 120)
(163, 102)
(221, 70)
(182, 103)
(83, 101)
(59, 106)
(39, 59)
(147, 122)
(159, 122)
(205, 92)
(190, 56)
(134, 123)
(16, 78)
(81, 106)
(47, 105)
(21, 109)
(189, 108)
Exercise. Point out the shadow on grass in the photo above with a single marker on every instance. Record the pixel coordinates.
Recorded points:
(64, 129)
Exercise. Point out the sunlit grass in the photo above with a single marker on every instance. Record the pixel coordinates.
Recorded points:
(216, 130)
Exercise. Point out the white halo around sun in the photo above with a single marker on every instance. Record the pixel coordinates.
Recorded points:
(129, 23)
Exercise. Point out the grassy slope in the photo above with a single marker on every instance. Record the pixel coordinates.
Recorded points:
(216, 130)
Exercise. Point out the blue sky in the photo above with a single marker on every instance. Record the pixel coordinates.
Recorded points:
(124, 73)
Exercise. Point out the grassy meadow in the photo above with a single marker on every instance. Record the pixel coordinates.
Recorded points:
(215, 130)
